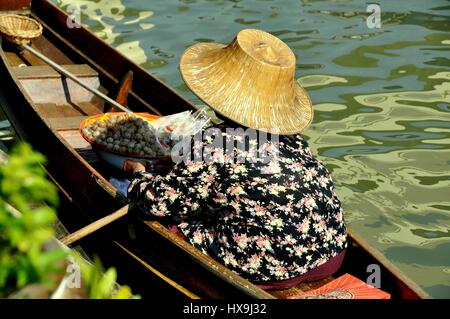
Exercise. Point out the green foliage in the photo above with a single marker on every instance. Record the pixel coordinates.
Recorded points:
(102, 285)
(24, 236)
(23, 259)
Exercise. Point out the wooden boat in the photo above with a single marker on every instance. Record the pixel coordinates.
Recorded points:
(46, 110)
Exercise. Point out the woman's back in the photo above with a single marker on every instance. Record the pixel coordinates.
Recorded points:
(270, 217)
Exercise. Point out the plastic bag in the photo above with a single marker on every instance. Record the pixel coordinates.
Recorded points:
(170, 129)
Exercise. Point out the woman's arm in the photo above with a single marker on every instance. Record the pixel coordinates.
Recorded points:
(181, 193)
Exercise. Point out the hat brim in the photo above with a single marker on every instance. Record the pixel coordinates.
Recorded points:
(201, 71)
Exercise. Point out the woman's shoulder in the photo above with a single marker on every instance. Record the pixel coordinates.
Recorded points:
(223, 135)
(296, 140)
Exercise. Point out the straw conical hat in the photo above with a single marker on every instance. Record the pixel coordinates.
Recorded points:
(250, 81)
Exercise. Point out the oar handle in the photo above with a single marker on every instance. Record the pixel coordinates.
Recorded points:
(74, 78)
(75, 236)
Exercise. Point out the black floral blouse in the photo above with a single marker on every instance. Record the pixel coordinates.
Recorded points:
(265, 220)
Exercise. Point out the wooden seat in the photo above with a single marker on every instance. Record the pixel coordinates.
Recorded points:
(45, 85)
(47, 72)
(66, 123)
(53, 110)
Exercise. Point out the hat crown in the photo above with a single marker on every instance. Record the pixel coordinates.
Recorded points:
(261, 61)
(266, 48)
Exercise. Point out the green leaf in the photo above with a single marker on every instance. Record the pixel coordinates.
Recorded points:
(106, 284)
(123, 293)
(23, 258)
(39, 217)
(23, 185)
(51, 257)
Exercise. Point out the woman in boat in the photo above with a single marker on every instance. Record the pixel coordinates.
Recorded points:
(264, 207)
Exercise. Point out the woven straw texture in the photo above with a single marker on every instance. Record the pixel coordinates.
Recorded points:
(19, 29)
(250, 81)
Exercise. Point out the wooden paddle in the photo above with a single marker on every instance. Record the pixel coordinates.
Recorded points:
(83, 232)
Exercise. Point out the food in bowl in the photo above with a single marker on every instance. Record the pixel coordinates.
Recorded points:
(118, 136)
(129, 134)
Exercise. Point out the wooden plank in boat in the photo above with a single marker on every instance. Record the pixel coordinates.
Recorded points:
(43, 84)
(43, 45)
(14, 59)
(74, 139)
(31, 59)
(53, 110)
(66, 123)
(59, 91)
(47, 48)
(47, 72)
(89, 108)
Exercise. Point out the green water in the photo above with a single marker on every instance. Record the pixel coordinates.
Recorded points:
(381, 99)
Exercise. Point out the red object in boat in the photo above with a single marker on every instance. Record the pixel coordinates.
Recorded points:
(344, 287)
